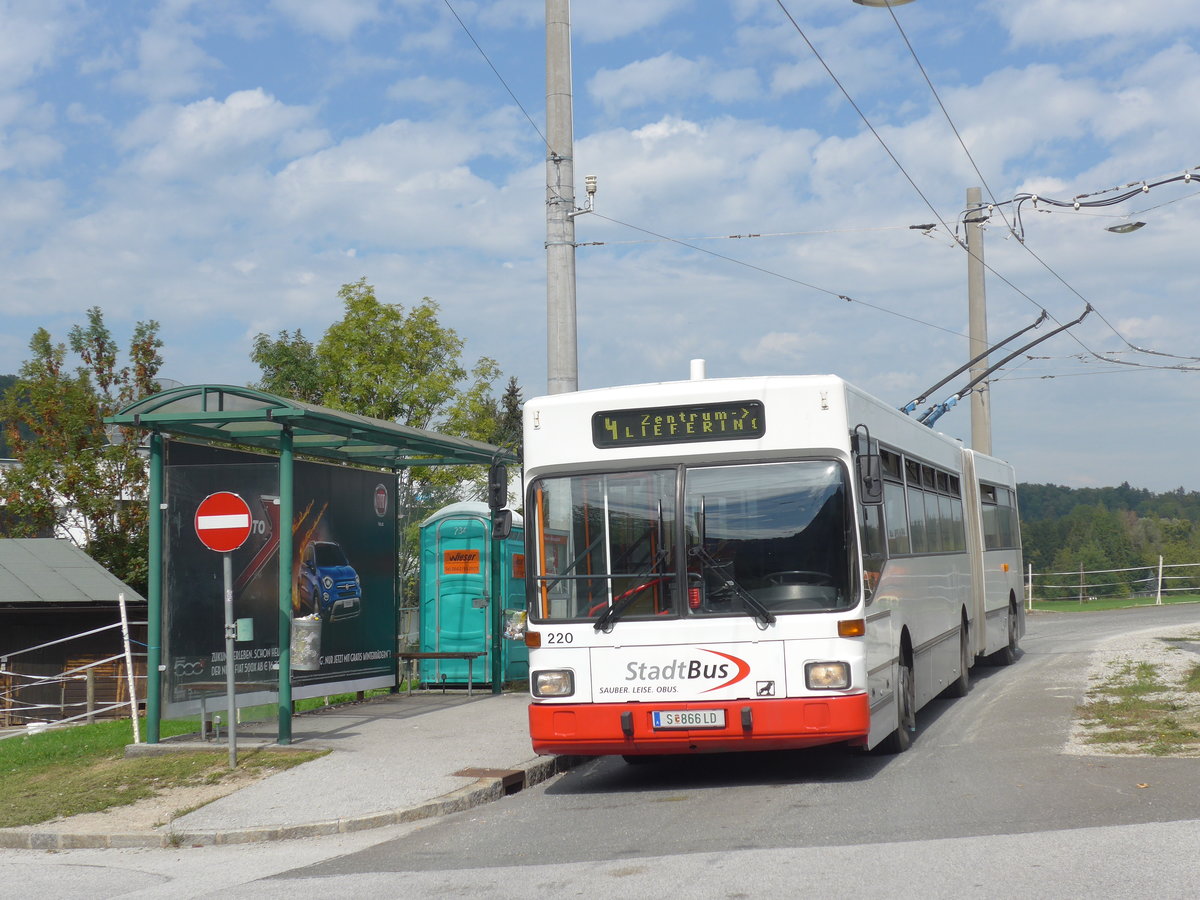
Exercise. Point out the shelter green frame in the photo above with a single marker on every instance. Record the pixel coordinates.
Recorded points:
(246, 418)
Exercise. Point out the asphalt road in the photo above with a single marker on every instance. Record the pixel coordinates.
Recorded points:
(984, 803)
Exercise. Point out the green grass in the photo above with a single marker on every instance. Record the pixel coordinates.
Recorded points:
(1103, 603)
(1193, 681)
(1132, 708)
(68, 771)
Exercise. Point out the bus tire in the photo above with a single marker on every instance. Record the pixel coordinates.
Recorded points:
(962, 684)
(906, 715)
(1007, 655)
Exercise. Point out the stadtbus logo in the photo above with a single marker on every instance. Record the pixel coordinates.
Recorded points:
(381, 500)
(691, 670)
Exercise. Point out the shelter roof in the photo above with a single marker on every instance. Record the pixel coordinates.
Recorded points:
(250, 418)
(53, 571)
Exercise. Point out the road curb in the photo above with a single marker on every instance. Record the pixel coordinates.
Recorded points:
(483, 790)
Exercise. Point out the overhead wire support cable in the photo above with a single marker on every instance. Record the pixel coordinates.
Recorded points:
(938, 410)
(861, 114)
(815, 287)
(496, 72)
(1017, 228)
(917, 401)
(942, 106)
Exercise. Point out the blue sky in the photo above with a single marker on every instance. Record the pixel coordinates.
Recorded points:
(224, 166)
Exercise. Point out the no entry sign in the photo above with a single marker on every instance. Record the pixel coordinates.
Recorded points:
(223, 521)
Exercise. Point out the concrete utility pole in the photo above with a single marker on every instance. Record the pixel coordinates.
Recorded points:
(563, 365)
(981, 414)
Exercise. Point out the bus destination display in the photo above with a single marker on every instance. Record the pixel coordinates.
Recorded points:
(738, 419)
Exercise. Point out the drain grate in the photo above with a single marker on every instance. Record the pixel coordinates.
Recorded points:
(512, 780)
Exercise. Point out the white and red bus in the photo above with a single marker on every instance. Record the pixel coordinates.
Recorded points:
(755, 563)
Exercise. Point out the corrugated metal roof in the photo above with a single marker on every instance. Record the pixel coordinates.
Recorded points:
(47, 570)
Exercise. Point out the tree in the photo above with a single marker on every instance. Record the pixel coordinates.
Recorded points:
(402, 366)
(290, 366)
(508, 423)
(76, 479)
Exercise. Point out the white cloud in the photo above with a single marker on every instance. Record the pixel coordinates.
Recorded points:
(262, 159)
(647, 81)
(671, 79)
(195, 140)
(1070, 21)
(32, 36)
(614, 19)
(333, 19)
(170, 61)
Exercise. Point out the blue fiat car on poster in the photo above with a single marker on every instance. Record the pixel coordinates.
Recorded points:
(327, 583)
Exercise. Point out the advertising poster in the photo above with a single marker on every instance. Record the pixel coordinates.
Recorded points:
(341, 576)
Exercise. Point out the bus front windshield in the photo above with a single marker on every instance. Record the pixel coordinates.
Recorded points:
(757, 540)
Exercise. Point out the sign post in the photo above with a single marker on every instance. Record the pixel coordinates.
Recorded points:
(223, 523)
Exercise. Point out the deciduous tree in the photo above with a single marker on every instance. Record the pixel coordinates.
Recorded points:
(78, 479)
(400, 365)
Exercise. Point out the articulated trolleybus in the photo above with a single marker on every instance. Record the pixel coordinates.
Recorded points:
(755, 563)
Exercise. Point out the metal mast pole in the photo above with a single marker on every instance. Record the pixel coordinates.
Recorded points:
(563, 367)
(981, 413)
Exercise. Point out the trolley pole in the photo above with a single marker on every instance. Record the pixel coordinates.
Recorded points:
(562, 349)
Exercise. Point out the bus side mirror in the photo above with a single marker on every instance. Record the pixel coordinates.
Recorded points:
(870, 480)
(868, 467)
(501, 524)
(497, 489)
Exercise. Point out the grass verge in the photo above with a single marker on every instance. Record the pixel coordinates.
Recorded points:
(1099, 604)
(77, 770)
(1144, 707)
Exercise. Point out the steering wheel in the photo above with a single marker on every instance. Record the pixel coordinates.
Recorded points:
(636, 589)
(801, 576)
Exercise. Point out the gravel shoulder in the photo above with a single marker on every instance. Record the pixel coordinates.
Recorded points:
(1174, 652)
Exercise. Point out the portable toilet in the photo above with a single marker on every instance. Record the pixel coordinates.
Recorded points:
(456, 604)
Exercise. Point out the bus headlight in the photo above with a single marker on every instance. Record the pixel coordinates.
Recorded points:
(553, 683)
(827, 676)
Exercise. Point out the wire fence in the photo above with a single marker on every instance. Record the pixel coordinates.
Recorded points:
(1157, 581)
(83, 686)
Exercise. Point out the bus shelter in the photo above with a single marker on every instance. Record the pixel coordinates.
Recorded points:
(250, 420)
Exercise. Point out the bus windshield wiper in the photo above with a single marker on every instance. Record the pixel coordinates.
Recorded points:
(761, 613)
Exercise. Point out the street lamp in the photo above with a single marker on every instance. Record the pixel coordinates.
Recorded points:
(882, 2)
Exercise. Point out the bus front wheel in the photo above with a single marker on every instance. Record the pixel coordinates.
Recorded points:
(961, 685)
(1007, 655)
(906, 713)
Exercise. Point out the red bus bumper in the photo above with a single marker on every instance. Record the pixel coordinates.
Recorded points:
(596, 729)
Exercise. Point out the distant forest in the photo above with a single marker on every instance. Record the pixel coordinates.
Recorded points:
(1067, 529)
